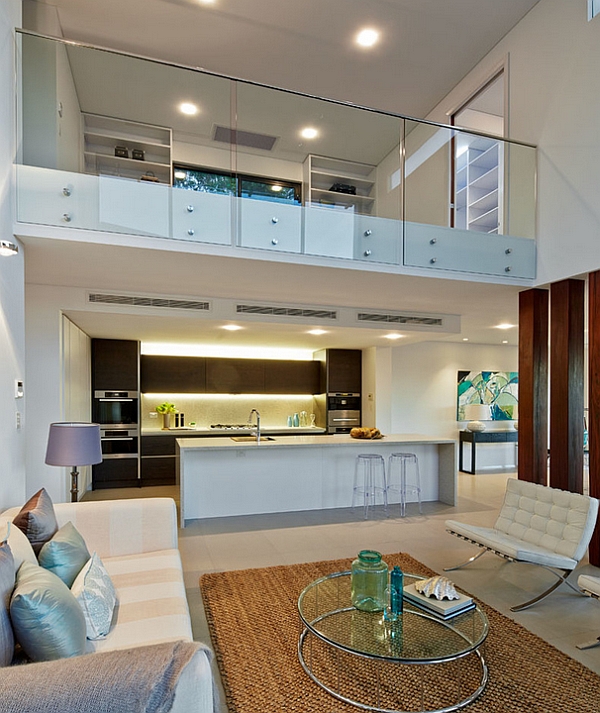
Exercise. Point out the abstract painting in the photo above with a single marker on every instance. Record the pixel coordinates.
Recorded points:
(498, 389)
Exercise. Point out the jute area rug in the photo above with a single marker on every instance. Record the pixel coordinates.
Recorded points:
(253, 620)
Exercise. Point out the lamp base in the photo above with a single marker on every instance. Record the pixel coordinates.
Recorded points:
(74, 488)
(476, 426)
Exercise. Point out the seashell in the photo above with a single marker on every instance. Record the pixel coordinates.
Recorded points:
(438, 587)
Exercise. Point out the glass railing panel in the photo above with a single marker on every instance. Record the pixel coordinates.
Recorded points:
(341, 163)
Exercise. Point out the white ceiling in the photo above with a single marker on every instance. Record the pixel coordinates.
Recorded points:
(427, 47)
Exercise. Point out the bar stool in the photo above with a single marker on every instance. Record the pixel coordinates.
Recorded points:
(399, 462)
(369, 480)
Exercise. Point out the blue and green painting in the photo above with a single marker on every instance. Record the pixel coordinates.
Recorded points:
(498, 389)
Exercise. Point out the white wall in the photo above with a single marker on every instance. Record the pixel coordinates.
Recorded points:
(424, 389)
(12, 326)
(554, 102)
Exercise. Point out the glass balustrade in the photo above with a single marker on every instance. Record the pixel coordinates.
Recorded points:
(116, 143)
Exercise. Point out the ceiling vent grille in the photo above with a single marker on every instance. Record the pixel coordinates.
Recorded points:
(286, 311)
(249, 139)
(138, 301)
(400, 319)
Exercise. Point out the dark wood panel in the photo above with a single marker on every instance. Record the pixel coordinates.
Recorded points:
(533, 386)
(158, 445)
(173, 374)
(594, 403)
(115, 473)
(291, 377)
(344, 370)
(158, 471)
(115, 365)
(235, 376)
(566, 385)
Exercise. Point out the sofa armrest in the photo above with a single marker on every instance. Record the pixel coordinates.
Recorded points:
(123, 527)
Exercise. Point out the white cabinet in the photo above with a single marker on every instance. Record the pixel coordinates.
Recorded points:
(270, 226)
(478, 180)
(147, 148)
(329, 232)
(201, 217)
(378, 239)
(321, 174)
(49, 197)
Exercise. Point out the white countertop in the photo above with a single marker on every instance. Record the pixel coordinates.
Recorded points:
(205, 432)
(191, 444)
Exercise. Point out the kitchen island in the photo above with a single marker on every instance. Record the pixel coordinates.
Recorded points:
(220, 477)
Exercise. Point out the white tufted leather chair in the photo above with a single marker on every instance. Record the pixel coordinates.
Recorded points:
(538, 525)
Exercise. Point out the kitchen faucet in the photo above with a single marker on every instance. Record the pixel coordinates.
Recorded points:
(257, 423)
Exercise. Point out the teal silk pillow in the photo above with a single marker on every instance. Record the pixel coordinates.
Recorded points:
(46, 618)
(97, 598)
(37, 519)
(7, 583)
(65, 554)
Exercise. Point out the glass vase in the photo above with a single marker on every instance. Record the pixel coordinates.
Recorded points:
(369, 578)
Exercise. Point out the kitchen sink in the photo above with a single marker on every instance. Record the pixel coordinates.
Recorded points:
(250, 439)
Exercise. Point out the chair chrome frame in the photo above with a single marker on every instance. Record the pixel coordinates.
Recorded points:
(594, 642)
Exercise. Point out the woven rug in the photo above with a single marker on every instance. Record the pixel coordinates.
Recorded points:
(253, 620)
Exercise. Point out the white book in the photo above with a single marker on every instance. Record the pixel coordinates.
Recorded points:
(442, 607)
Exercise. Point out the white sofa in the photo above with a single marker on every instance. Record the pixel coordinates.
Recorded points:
(137, 542)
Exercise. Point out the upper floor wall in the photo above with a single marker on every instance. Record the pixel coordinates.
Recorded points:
(119, 144)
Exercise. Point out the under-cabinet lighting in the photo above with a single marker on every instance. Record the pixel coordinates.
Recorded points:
(188, 108)
(225, 351)
(200, 396)
(309, 133)
(232, 327)
(394, 335)
(367, 37)
(505, 325)
(317, 332)
(7, 248)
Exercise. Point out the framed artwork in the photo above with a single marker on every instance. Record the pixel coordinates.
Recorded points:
(497, 389)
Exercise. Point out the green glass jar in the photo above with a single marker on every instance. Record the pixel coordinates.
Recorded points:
(369, 581)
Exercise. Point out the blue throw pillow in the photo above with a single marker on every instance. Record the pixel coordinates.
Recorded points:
(65, 554)
(7, 583)
(47, 620)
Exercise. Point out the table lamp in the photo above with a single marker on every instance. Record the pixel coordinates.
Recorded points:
(475, 414)
(74, 444)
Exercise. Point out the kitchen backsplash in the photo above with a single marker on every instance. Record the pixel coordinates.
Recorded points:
(207, 410)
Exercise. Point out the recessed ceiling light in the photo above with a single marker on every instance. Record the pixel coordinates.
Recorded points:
(465, 339)
(231, 327)
(208, 2)
(276, 187)
(505, 325)
(309, 132)
(367, 37)
(317, 332)
(188, 108)
(393, 336)
(505, 341)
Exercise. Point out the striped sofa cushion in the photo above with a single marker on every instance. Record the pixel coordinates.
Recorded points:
(152, 606)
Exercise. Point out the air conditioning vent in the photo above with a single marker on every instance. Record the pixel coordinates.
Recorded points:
(400, 319)
(244, 138)
(140, 301)
(287, 311)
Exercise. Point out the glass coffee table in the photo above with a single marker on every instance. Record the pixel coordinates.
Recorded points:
(418, 663)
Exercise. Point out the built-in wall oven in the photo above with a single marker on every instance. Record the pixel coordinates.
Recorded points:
(115, 408)
(343, 412)
(119, 442)
(117, 413)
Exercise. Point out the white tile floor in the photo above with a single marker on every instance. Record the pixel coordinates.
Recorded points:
(563, 619)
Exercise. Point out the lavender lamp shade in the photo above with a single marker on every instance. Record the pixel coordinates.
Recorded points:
(73, 444)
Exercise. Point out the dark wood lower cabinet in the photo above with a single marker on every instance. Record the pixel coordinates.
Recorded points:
(158, 470)
(115, 473)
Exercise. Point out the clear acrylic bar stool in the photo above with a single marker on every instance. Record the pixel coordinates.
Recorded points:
(369, 481)
(397, 481)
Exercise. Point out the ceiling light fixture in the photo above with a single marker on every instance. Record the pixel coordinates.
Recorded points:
(505, 325)
(7, 248)
(309, 133)
(505, 341)
(188, 108)
(465, 339)
(393, 336)
(231, 327)
(317, 332)
(367, 37)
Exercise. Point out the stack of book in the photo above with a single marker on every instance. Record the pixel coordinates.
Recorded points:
(444, 608)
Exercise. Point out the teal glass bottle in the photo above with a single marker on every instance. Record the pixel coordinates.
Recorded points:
(369, 577)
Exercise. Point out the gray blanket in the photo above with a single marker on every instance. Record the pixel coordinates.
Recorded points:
(137, 680)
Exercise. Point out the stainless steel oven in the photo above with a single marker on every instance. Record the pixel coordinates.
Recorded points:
(115, 408)
(343, 412)
(119, 442)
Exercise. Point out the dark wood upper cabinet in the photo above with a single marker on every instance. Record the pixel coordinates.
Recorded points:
(291, 377)
(173, 375)
(344, 371)
(115, 365)
(235, 376)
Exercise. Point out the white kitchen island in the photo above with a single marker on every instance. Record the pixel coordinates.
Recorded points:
(219, 477)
